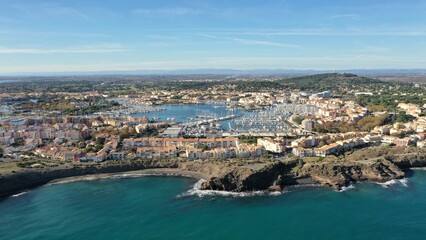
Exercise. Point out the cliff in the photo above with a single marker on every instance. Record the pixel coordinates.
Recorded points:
(273, 176)
(339, 174)
(276, 176)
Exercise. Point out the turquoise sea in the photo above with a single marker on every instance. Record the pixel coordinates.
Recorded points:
(158, 208)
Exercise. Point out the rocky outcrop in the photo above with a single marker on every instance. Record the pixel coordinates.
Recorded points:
(278, 175)
(339, 174)
(273, 177)
(408, 161)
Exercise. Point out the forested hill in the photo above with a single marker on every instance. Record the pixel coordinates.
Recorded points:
(330, 81)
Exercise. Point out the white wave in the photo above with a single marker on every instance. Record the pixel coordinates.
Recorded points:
(18, 194)
(344, 189)
(78, 179)
(418, 168)
(113, 176)
(394, 182)
(196, 191)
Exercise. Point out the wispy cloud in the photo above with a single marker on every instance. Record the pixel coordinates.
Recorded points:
(350, 16)
(332, 32)
(252, 41)
(101, 48)
(55, 10)
(54, 33)
(321, 31)
(178, 11)
(46, 9)
(375, 49)
(163, 37)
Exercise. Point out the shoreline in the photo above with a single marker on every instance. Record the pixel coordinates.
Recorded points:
(176, 172)
(227, 176)
(166, 172)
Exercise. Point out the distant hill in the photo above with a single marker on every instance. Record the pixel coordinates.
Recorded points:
(217, 71)
(329, 81)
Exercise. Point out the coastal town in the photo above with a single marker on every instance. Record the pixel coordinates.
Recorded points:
(272, 123)
(212, 119)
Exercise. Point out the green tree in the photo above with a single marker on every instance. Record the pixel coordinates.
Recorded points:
(402, 117)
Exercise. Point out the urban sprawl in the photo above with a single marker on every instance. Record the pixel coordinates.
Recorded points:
(280, 123)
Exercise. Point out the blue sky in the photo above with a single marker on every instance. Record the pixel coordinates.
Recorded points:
(85, 35)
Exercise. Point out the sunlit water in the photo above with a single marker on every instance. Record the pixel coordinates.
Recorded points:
(162, 208)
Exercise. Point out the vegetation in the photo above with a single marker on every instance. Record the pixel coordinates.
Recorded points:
(298, 120)
(403, 117)
(364, 125)
(248, 139)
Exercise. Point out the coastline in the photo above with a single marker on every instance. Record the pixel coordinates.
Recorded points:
(25, 181)
(167, 172)
(231, 176)
(307, 182)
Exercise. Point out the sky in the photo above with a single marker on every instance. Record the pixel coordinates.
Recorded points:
(125, 35)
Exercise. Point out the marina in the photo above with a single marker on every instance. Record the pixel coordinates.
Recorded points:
(128, 108)
(270, 119)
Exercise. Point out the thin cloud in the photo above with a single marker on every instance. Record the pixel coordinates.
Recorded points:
(374, 49)
(167, 11)
(103, 48)
(414, 31)
(54, 33)
(350, 16)
(46, 9)
(335, 33)
(163, 37)
(252, 41)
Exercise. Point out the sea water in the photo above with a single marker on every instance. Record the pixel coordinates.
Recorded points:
(170, 208)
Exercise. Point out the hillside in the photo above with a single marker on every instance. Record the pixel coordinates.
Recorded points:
(330, 81)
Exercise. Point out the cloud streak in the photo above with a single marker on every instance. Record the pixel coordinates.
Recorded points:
(102, 48)
(179, 11)
(350, 16)
(252, 41)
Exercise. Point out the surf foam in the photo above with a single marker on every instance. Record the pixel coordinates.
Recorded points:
(196, 191)
(395, 182)
(350, 186)
(18, 194)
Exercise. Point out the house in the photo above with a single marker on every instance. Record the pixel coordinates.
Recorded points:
(248, 150)
(116, 155)
(402, 142)
(271, 145)
(156, 152)
(71, 155)
(303, 152)
(327, 150)
(194, 153)
(373, 138)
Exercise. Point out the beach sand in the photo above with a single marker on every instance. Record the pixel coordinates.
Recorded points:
(130, 174)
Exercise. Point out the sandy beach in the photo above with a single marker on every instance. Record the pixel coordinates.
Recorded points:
(130, 174)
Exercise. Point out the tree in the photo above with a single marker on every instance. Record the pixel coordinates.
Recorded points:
(298, 120)
(100, 141)
(204, 147)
